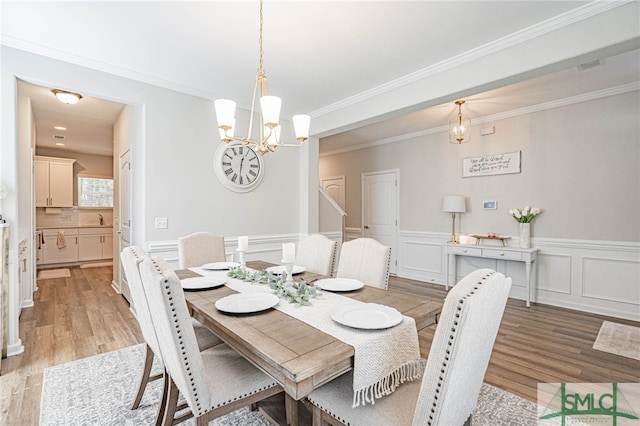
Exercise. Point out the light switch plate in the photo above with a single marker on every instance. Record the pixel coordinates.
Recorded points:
(161, 223)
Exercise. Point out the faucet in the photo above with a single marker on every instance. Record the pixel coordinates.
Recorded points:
(101, 219)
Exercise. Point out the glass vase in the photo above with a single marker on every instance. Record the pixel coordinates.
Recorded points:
(525, 235)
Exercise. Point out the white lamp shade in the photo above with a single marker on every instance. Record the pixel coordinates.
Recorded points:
(225, 112)
(454, 204)
(301, 124)
(270, 107)
(274, 136)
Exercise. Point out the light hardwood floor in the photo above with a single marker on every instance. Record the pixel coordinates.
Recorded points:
(81, 316)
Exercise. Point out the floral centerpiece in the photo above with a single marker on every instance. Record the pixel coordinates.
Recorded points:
(524, 217)
(294, 292)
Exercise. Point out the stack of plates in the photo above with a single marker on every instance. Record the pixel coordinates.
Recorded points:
(202, 283)
(368, 316)
(243, 303)
(220, 266)
(339, 284)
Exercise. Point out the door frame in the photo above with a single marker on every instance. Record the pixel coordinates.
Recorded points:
(394, 250)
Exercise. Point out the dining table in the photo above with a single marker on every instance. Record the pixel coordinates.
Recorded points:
(297, 355)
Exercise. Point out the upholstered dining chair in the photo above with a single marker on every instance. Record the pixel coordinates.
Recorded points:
(213, 382)
(367, 260)
(457, 362)
(131, 258)
(317, 254)
(199, 248)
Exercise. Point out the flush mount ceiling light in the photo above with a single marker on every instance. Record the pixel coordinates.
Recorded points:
(269, 115)
(67, 97)
(59, 127)
(460, 127)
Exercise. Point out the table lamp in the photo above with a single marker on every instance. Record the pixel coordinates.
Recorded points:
(453, 204)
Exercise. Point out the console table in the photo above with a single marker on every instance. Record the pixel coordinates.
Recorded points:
(516, 254)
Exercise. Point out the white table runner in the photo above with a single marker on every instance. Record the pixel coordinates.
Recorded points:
(383, 358)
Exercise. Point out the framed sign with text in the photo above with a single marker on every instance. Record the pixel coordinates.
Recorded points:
(491, 164)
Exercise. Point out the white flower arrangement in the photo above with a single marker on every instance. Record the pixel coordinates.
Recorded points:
(526, 215)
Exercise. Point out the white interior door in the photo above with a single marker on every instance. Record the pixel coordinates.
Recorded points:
(335, 187)
(124, 227)
(380, 210)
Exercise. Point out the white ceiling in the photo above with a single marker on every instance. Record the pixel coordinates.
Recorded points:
(317, 53)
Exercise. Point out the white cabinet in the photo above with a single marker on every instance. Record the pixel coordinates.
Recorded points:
(95, 243)
(60, 246)
(54, 182)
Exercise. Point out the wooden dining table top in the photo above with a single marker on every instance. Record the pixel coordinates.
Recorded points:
(297, 355)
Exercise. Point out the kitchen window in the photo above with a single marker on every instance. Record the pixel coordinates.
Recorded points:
(95, 191)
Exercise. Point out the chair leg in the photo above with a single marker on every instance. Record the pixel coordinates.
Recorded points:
(144, 380)
(163, 400)
(317, 416)
(172, 402)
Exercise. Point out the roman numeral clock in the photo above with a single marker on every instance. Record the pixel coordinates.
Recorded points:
(239, 167)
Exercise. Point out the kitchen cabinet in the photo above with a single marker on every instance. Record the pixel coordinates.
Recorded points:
(54, 182)
(95, 243)
(53, 252)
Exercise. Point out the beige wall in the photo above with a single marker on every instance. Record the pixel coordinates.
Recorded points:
(579, 163)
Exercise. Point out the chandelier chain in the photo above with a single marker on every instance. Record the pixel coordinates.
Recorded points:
(260, 66)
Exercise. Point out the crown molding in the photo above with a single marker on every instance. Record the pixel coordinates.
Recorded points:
(511, 40)
(27, 46)
(557, 103)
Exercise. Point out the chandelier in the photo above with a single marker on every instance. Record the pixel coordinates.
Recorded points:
(269, 115)
(460, 127)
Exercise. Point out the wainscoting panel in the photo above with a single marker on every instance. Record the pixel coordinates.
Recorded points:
(594, 276)
(554, 273)
(616, 273)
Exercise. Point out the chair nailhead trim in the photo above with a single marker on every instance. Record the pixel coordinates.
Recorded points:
(452, 339)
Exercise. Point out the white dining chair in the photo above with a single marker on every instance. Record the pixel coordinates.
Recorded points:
(131, 258)
(199, 248)
(213, 382)
(457, 362)
(317, 254)
(367, 260)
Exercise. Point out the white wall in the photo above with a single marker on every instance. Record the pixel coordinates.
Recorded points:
(579, 163)
(174, 139)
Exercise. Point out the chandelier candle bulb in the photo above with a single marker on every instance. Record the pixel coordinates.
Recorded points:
(270, 106)
(301, 124)
(225, 113)
(243, 243)
(288, 252)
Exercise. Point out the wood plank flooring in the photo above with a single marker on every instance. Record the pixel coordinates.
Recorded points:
(81, 316)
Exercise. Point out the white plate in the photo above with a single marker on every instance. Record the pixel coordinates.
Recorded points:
(202, 283)
(220, 266)
(242, 303)
(369, 316)
(280, 269)
(339, 284)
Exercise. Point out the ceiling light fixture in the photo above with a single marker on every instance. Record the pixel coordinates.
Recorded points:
(59, 127)
(460, 127)
(269, 115)
(67, 97)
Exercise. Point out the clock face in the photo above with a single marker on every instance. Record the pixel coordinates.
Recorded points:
(238, 167)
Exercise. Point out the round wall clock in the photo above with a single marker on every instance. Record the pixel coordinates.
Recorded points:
(239, 167)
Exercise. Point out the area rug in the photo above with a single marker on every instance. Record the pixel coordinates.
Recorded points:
(99, 390)
(47, 274)
(619, 339)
